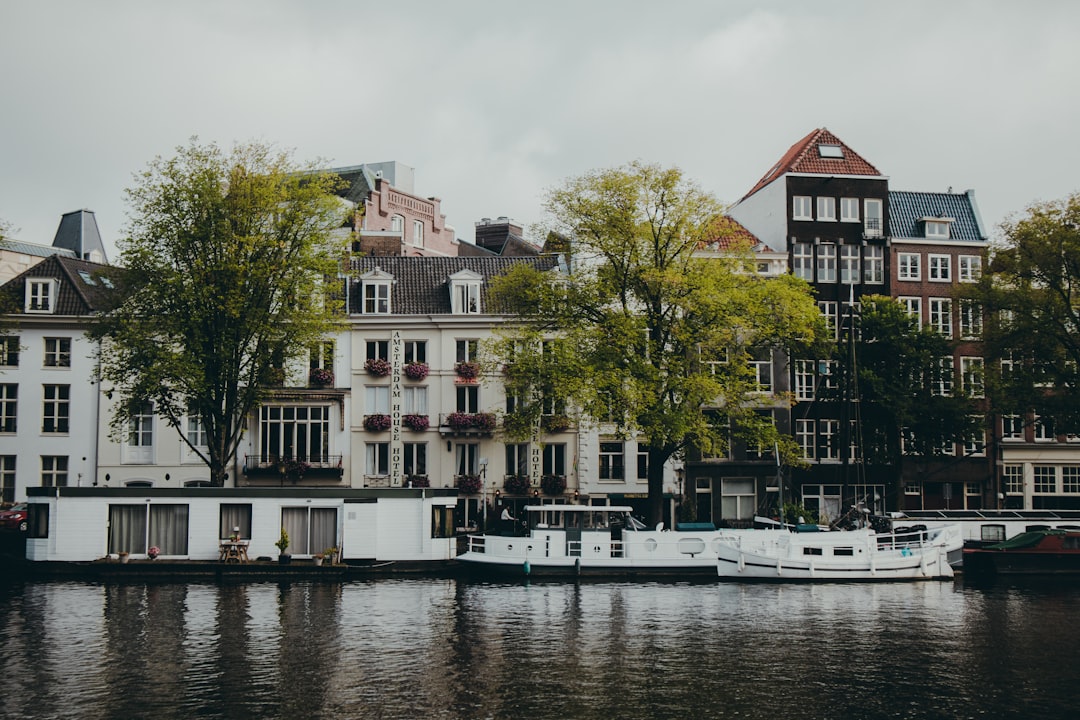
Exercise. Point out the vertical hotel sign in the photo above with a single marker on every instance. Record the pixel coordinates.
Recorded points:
(397, 448)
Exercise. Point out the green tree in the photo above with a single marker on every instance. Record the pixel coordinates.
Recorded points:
(644, 332)
(908, 401)
(1031, 298)
(222, 281)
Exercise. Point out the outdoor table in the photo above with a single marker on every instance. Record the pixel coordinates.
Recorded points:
(234, 551)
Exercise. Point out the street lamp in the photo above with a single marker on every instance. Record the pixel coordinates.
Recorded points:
(483, 489)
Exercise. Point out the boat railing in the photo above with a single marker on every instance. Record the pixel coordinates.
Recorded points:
(573, 548)
(477, 543)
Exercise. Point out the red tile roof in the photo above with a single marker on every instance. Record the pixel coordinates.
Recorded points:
(803, 157)
(727, 233)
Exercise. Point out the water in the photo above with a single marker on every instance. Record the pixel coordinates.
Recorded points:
(425, 648)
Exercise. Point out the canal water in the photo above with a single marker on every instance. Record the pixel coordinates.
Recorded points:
(427, 648)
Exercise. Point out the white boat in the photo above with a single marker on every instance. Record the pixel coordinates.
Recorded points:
(852, 555)
(573, 540)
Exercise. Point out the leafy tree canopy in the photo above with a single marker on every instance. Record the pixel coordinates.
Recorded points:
(1031, 295)
(646, 332)
(222, 281)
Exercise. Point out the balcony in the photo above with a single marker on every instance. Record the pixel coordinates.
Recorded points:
(460, 423)
(285, 468)
(871, 228)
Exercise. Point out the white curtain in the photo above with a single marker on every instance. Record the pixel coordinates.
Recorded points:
(323, 529)
(233, 516)
(295, 522)
(169, 528)
(127, 528)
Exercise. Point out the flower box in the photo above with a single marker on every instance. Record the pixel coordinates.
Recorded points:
(416, 422)
(467, 370)
(553, 484)
(516, 484)
(417, 481)
(469, 484)
(376, 423)
(417, 370)
(556, 423)
(484, 422)
(321, 377)
(378, 367)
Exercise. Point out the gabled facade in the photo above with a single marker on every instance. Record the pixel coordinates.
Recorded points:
(49, 399)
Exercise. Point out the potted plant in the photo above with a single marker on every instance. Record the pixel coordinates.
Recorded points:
(516, 484)
(124, 556)
(377, 422)
(467, 370)
(330, 554)
(416, 422)
(153, 552)
(418, 481)
(484, 421)
(556, 423)
(282, 545)
(321, 377)
(459, 421)
(553, 484)
(417, 370)
(317, 559)
(377, 367)
(469, 484)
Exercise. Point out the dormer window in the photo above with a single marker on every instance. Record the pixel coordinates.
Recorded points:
(830, 151)
(938, 228)
(465, 292)
(41, 295)
(375, 289)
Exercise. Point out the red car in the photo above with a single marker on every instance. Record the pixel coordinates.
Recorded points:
(14, 518)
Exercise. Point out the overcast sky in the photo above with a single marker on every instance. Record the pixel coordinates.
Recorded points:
(494, 102)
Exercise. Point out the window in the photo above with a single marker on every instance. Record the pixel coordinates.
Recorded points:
(849, 264)
(376, 298)
(467, 350)
(468, 399)
(939, 268)
(321, 356)
(377, 350)
(826, 263)
(415, 458)
(310, 529)
(913, 306)
(907, 266)
(1012, 479)
(737, 501)
(849, 209)
(416, 351)
(291, 431)
(466, 298)
(935, 229)
(828, 310)
(415, 398)
(873, 264)
(517, 459)
(913, 488)
(804, 379)
(803, 259)
(397, 223)
(376, 399)
(54, 470)
(376, 458)
(1070, 479)
(57, 352)
(9, 407)
(197, 437)
(972, 376)
(805, 431)
(56, 408)
(975, 443)
(1012, 428)
(554, 459)
(762, 370)
(827, 369)
(1044, 429)
(466, 458)
(1045, 477)
(642, 462)
(801, 208)
(418, 233)
(941, 316)
(612, 461)
(970, 268)
(874, 223)
(7, 478)
(234, 518)
(139, 445)
(40, 296)
(830, 439)
(970, 320)
(943, 385)
(830, 151)
(826, 209)
(9, 351)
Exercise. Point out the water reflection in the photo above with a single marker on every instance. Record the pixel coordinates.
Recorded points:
(446, 649)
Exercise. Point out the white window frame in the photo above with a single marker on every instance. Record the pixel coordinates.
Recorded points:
(802, 207)
(376, 297)
(826, 209)
(829, 429)
(376, 459)
(969, 268)
(913, 306)
(612, 463)
(941, 316)
(826, 263)
(418, 233)
(908, 266)
(1012, 479)
(41, 295)
(376, 399)
(138, 448)
(415, 399)
(828, 308)
(850, 273)
(936, 229)
(805, 379)
(874, 265)
(849, 209)
(54, 470)
(802, 260)
(873, 211)
(762, 370)
(806, 436)
(971, 321)
(1012, 428)
(57, 352)
(56, 409)
(939, 268)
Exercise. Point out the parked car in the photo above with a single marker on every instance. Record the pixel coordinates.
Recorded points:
(14, 518)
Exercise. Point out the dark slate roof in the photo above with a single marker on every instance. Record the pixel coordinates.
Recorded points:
(906, 209)
(78, 232)
(25, 248)
(803, 157)
(422, 284)
(77, 295)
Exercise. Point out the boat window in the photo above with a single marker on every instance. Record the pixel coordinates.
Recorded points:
(843, 551)
(992, 533)
(811, 551)
(1071, 542)
(1036, 528)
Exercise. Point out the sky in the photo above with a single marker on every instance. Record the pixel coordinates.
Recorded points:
(494, 102)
